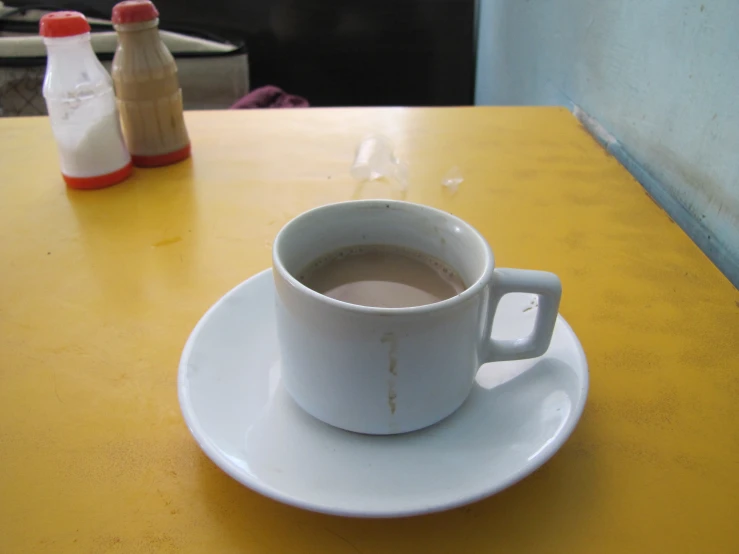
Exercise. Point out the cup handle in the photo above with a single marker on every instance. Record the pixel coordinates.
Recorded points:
(548, 288)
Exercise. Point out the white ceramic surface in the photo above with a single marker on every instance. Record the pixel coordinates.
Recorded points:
(517, 416)
(393, 370)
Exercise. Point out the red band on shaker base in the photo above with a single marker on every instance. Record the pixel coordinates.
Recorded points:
(99, 181)
(162, 159)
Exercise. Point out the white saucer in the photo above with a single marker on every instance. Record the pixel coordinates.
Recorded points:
(517, 417)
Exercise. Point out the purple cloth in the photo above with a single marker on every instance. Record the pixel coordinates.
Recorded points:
(269, 97)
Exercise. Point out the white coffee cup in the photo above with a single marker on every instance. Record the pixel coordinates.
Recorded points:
(394, 370)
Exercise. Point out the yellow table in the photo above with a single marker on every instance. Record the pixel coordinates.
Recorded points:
(99, 290)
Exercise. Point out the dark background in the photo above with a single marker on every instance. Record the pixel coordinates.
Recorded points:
(337, 52)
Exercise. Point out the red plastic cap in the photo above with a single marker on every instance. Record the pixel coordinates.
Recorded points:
(161, 159)
(134, 11)
(63, 24)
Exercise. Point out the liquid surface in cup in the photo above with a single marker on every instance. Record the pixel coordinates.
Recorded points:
(382, 276)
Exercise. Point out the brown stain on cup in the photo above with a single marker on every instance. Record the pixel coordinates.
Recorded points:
(391, 396)
(392, 342)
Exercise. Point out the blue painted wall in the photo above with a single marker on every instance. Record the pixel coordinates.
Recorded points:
(660, 76)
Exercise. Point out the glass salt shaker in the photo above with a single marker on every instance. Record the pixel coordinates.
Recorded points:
(82, 106)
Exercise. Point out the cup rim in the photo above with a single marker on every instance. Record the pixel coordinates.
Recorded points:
(470, 291)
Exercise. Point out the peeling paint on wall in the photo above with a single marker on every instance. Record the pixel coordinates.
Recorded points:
(660, 77)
